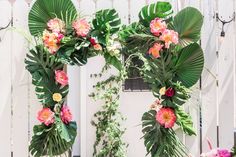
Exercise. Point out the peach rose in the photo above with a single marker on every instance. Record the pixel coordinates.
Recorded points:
(46, 116)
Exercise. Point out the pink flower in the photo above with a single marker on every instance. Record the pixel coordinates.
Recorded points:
(66, 115)
(157, 26)
(46, 116)
(52, 41)
(61, 77)
(82, 27)
(56, 25)
(155, 50)
(166, 117)
(223, 153)
(169, 37)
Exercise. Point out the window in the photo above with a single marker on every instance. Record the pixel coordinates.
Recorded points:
(135, 81)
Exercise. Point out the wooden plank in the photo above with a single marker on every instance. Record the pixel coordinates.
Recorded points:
(122, 7)
(226, 76)
(5, 80)
(209, 87)
(86, 131)
(135, 9)
(20, 81)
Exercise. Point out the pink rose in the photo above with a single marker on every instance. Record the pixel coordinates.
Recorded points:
(157, 26)
(61, 77)
(81, 27)
(155, 50)
(166, 117)
(56, 25)
(66, 115)
(169, 37)
(46, 116)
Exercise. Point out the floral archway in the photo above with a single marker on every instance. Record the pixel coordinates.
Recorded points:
(172, 61)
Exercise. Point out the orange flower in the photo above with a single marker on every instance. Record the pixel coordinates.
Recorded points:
(52, 41)
(155, 50)
(169, 37)
(97, 47)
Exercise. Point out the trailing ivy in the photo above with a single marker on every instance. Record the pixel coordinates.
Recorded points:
(108, 120)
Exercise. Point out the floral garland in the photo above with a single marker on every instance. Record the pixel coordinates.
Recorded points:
(62, 37)
(172, 63)
(167, 45)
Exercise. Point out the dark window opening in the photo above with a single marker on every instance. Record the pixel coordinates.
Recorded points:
(135, 81)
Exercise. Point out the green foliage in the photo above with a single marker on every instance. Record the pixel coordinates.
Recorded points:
(108, 120)
(42, 65)
(44, 10)
(152, 11)
(113, 60)
(234, 151)
(39, 59)
(53, 140)
(159, 141)
(188, 23)
(189, 65)
(74, 52)
(184, 120)
(105, 23)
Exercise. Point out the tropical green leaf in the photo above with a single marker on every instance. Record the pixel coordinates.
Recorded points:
(45, 87)
(113, 60)
(184, 120)
(189, 65)
(44, 10)
(105, 23)
(49, 140)
(130, 30)
(152, 11)
(73, 52)
(39, 59)
(188, 23)
(42, 66)
(159, 141)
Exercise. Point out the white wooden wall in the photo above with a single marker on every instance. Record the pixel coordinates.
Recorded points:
(19, 106)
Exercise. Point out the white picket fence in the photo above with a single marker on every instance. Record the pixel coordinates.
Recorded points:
(19, 106)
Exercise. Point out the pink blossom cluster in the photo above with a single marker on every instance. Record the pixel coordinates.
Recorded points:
(158, 28)
(217, 153)
(53, 35)
(47, 116)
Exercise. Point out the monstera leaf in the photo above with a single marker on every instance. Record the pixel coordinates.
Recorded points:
(46, 87)
(42, 65)
(44, 10)
(189, 65)
(106, 22)
(39, 59)
(159, 141)
(53, 140)
(188, 23)
(152, 11)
